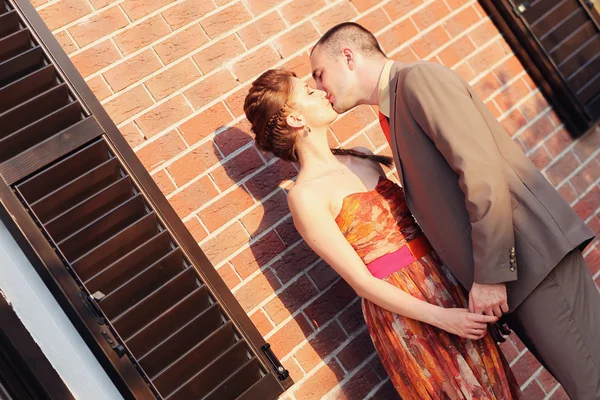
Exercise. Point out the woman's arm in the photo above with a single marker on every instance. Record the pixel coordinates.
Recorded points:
(318, 228)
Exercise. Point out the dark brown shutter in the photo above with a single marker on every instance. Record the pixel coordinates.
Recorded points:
(106, 241)
(559, 42)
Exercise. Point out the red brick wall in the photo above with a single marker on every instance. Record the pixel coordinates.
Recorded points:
(173, 75)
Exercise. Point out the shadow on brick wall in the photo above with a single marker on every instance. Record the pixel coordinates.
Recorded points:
(317, 316)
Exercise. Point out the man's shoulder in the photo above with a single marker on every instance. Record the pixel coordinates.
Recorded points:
(421, 73)
(424, 70)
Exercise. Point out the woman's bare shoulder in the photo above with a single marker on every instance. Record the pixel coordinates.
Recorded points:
(307, 192)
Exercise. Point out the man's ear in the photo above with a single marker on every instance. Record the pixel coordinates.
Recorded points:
(294, 120)
(349, 58)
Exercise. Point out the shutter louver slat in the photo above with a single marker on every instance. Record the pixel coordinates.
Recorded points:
(143, 283)
(26, 87)
(145, 311)
(179, 371)
(105, 236)
(9, 22)
(168, 322)
(91, 235)
(587, 73)
(20, 65)
(571, 65)
(182, 340)
(13, 44)
(34, 109)
(41, 129)
(77, 190)
(109, 278)
(76, 217)
(237, 383)
(210, 376)
(63, 172)
(255, 391)
(116, 246)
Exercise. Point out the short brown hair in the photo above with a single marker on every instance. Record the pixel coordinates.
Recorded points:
(351, 32)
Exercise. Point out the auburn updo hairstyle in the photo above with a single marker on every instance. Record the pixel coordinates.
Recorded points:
(267, 106)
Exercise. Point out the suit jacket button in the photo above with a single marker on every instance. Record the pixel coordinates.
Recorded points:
(512, 269)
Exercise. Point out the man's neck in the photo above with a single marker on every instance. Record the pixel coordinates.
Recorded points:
(372, 74)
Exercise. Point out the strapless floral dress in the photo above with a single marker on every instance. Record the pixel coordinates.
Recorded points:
(421, 360)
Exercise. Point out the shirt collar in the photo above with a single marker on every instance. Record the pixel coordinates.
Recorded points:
(383, 90)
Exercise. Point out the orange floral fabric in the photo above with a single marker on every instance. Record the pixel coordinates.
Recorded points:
(422, 361)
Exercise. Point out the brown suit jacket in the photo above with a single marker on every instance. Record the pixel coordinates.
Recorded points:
(477, 197)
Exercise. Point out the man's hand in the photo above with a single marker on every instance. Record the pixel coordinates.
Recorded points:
(488, 299)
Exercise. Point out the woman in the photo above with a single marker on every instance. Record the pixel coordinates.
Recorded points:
(358, 222)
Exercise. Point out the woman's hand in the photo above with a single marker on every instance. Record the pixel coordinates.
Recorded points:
(461, 322)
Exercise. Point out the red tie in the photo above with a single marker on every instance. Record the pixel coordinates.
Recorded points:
(385, 127)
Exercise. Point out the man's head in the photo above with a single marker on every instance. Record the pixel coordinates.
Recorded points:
(342, 64)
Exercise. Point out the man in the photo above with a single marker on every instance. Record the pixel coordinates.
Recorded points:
(495, 221)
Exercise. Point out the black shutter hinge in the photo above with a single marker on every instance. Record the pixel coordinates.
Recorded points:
(282, 373)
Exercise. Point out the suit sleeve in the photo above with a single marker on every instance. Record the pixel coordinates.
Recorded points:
(442, 105)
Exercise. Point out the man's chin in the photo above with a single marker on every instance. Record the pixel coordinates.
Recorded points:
(340, 110)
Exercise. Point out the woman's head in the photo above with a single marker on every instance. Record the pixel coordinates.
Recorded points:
(280, 106)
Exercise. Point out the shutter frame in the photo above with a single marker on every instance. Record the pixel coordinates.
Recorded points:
(49, 264)
(504, 15)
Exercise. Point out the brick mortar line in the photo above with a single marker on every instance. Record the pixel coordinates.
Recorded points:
(518, 357)
(576, 170)
(377, 387)
(541, 143)
(294, 350)
(267, 266)
(302, 308)
(137, 22)
(216, 232)
(503, 86)
(532, 378)
(309, 302)
(439, 23)
(327, 358)
(522, 101)
(549, 395)
(262, 304)
(349, 375)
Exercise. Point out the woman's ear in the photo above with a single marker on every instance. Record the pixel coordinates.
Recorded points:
(294, 120)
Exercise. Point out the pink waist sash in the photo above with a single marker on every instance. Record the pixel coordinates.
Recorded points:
(403, 257)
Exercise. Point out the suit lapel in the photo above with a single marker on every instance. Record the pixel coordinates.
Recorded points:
(393, 86)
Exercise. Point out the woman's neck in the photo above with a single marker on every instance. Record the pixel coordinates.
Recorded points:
(314, 154)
